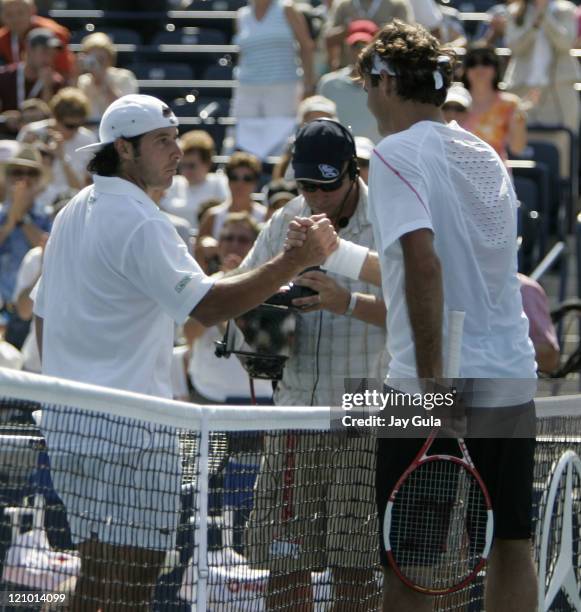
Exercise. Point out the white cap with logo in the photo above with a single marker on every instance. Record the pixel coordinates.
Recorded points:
(130, 116)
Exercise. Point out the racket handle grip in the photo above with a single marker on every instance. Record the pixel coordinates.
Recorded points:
(455, 331)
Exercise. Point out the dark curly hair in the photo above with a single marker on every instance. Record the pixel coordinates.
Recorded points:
(414, 55)
(481, 53)
(106, 161)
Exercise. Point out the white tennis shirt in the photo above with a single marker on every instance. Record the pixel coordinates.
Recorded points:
(115, 278)
(443, 178)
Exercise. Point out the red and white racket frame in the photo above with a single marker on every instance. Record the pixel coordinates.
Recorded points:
(422, 458)
(451, 371)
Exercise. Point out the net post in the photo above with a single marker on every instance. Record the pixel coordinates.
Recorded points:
(203, 486)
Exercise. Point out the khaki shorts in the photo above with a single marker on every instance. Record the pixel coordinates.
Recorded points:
(314, 504)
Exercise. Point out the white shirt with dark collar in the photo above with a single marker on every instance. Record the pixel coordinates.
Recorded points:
(115, 278)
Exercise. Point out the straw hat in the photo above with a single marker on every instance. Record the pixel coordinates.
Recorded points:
(26, 156)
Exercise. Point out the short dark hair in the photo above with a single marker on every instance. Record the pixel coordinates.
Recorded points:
(479, 52)
(106, 161)
(415, 55)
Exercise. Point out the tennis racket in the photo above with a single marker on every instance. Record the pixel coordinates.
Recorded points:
(438, 523)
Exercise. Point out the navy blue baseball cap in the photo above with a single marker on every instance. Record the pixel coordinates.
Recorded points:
(320, 151)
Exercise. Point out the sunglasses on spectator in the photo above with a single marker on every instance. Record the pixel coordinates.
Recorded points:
(72, 126)
(311, 187)
(240, 239)
(23, 173)
(245, 178)
(188, 165)
(480, 61)
(454, 108)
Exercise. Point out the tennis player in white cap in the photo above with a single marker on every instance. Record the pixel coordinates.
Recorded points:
(116, 277)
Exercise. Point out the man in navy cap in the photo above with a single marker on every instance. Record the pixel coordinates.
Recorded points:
(316, 515)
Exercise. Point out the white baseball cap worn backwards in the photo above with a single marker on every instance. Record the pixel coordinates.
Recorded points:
(130, 116)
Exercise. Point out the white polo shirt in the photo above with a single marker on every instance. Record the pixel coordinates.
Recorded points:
(115, 278)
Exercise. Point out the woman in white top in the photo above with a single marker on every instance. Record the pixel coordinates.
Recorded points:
(101, 81)
(196, 184)
(269, 32)
(243, 172)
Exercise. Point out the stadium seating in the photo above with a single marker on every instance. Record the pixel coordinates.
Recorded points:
(547, 153)
(568, 146)
(219, 72)
(538, 173)
(124, 36)
(190, 36)
(162, 70)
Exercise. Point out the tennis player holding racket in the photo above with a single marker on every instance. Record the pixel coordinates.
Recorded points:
(444, 216)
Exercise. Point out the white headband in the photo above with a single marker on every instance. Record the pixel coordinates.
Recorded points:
(380, 65)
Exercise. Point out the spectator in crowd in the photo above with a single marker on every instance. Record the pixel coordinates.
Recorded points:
(364, 149)
(8, 149)
(336, 322)
(21, 225)
(316, 107)
(27, 277)
(495, 116)
(216, 380)
(540, 34)
(428, 14)
(34, 77)
(541, 329)
(31, 110)
(101, 81)
(346, 92)
(195, 183)
(492, 31)
(243, 172)
(278, 193)
(313, 107)
(19, 18)
(451, 30)
(64, 132)
(457, 104)
(343, 12)
(269, 74)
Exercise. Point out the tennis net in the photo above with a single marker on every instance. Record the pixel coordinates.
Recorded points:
(222, 508)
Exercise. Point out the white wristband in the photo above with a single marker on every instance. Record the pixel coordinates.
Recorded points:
(352, 304)
(347, 260)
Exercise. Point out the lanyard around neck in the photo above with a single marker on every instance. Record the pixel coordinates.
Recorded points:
(21, 86)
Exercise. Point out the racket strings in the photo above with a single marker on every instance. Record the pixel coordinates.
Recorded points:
(439, 522)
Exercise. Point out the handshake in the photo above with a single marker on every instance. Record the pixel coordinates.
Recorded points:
(310, 240)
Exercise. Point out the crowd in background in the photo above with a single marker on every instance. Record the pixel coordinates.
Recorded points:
(295, 64)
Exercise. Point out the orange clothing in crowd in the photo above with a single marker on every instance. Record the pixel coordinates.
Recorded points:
(64, 59)
(493, 126)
